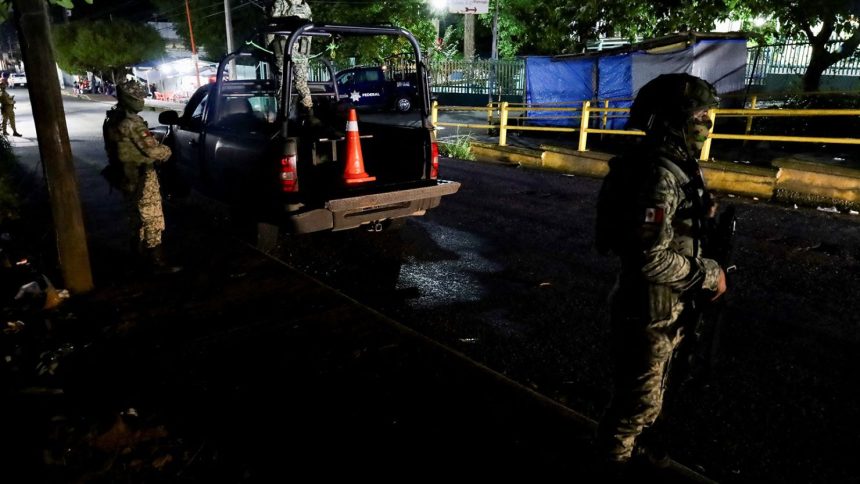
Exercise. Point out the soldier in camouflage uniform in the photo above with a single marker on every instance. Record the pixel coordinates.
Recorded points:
(658, 241)
(7, 107)
(301, 54)
(133, 151)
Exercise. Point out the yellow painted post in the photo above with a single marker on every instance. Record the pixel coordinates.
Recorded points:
(750, 118)
(503, 124)
(434, 113)
(583, 126)
(605, 114)
(706, 147)
(490, 114)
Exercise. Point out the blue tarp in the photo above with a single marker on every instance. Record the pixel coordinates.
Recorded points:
(568, 82)
(616, 85)
(565, 84)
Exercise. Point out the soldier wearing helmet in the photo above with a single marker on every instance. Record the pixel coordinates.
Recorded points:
(656, 229)
(132, 154)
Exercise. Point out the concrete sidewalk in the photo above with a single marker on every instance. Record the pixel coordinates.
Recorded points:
(242, 369)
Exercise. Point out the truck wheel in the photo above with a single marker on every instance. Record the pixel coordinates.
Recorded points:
(403, 104)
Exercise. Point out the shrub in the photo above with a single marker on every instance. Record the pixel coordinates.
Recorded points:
(457, 146)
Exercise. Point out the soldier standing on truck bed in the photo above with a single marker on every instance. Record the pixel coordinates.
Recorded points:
(298, 9)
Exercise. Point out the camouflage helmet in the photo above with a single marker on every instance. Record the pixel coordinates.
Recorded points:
(670, 100)
(131, 94)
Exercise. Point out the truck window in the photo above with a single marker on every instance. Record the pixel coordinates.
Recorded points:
(249, 95)
(369, 76)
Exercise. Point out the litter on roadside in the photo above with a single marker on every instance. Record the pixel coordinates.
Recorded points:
(828, 209)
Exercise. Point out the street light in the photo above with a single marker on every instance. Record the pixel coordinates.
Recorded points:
(439, 5)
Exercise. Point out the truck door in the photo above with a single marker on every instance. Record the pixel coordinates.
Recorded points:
(187, 133)
(241, 119)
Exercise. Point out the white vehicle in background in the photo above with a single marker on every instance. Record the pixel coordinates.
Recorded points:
(17, 79)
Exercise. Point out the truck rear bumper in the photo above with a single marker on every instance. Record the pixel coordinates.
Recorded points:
(349, 213)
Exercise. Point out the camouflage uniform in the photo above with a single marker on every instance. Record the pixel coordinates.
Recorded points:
(129, 143)
(7, 107)
(301, 54)
(661, 266)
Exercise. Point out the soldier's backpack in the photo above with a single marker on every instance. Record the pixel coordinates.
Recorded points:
(617, 192)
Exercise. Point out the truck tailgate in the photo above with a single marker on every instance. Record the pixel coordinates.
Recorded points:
(351, 212)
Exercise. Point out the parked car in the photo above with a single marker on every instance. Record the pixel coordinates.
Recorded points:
(376, 88)
(17, 79)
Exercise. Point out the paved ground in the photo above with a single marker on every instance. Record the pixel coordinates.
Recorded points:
(241, 369)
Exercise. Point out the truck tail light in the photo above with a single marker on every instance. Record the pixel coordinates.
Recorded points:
(434, 159)
(289, 174)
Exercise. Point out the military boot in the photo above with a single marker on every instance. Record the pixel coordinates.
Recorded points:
(158, 263)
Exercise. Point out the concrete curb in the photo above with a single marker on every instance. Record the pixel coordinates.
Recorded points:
(789, 180)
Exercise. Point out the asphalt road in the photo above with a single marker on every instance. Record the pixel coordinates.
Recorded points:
(504, 271)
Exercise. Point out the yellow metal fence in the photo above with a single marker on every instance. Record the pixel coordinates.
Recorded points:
(601, 114)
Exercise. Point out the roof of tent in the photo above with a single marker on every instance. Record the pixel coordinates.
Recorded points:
(659, 45)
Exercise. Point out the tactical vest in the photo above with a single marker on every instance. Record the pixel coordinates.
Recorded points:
(617, 224)
(690, 217)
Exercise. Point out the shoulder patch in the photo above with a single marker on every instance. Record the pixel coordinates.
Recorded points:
(654, 215)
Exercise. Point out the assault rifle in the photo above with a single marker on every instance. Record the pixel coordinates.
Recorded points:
(705, 324)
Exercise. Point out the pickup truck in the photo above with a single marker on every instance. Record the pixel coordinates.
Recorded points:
(246, 141)
(375, 87)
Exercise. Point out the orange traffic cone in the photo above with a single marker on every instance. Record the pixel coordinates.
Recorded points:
(354, 171)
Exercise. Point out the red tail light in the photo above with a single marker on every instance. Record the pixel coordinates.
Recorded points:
(289, 174)
(434, 155)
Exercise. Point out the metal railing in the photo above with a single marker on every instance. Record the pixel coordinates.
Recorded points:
(793, 58)
(598, 116)
(475, 76)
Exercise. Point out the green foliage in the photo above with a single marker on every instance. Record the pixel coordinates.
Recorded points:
(412, 15)
(102, 45)
(207, 21)
(448, 49)
(457, 146)
(6, 5)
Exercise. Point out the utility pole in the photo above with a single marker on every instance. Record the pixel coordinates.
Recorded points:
(494, 52)
(193, 47)
(34, 34)
(228, 20)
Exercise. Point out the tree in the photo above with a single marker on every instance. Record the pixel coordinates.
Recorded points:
(819, 22)
(93, 45)
(31, 21)
(207, 20)
(562, 26)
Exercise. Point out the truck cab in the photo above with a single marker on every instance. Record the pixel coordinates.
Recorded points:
(247, 140)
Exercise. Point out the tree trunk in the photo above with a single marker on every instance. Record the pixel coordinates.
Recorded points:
(818, 63)
(34, 33)
(468, 36)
